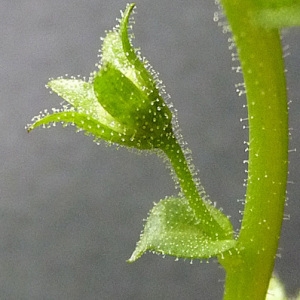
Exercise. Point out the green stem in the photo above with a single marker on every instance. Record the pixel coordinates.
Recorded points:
(192, 190)
(261, 59)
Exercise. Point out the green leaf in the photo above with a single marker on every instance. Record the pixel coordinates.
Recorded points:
(172, 229)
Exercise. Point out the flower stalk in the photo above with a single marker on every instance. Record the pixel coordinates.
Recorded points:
(193, 191)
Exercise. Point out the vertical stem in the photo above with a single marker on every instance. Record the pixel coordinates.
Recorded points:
(261, 59)
(190, 189)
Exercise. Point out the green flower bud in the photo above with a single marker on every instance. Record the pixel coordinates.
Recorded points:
(121, 103)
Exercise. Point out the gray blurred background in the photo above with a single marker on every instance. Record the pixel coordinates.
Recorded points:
(71, 211)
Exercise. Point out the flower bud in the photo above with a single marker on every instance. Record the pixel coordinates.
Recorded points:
(121, 103)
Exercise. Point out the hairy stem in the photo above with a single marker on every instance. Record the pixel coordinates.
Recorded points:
(191, 190)
(261, 59)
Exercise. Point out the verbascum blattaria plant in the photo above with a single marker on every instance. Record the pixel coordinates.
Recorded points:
(124, 103)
